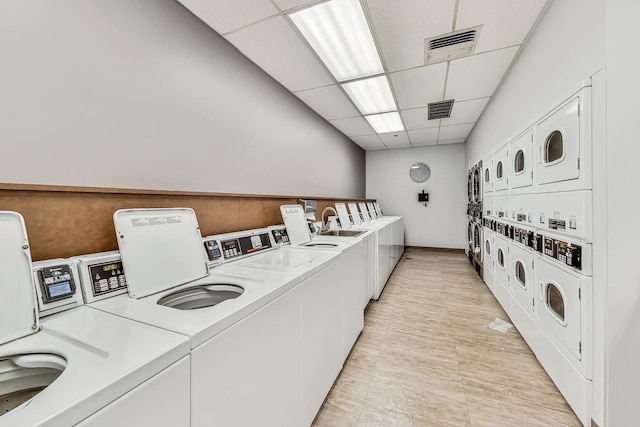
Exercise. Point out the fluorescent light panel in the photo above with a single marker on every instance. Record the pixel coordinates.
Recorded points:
(385, 123)
(338, 32)
(372, 95)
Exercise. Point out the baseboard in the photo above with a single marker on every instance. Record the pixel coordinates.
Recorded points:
(431, 248)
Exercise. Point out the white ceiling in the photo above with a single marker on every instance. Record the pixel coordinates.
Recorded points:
(262, 31)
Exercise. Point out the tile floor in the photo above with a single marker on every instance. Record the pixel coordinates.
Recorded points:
(428, 358)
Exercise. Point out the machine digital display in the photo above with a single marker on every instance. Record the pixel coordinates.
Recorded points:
(56, 283)
(59, 289)
(212, 249)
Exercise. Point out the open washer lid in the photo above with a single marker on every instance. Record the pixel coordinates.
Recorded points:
(18, 314)
(160, 248)
(297, 227)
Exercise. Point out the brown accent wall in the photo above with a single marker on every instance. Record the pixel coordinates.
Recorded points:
(67, 221)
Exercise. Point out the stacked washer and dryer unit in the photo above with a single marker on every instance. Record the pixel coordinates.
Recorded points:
(474, 218)
(537, 243)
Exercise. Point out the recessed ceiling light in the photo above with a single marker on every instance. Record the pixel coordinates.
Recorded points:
(372, 95)
(338, 32)
(385, 123)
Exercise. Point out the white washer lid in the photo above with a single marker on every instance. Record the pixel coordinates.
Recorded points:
(160, 248)
(355, 215)
(363, 210)
(296, 224)
(341, 208)
(18, 314)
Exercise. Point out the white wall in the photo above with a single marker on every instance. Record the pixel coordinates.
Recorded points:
(622, 205)
(566, 47)
(141, 94)
(442, 223)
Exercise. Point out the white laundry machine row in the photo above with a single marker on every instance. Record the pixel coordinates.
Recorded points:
(261, 324)
(63, 363)
(553, 155)
(543, 283)
(388, 235)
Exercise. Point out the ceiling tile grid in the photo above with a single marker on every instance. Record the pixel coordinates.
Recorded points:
(274, 46)
(419, 86)
(329, 101)
(263, 31)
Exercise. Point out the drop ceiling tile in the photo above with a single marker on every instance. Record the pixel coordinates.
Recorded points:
(401, 29)
(274, 46)
(419, 86)
(292, 4)
(369, 142)
(416, 118)
(353, 126)
(450, 141)
(376, 148)
(227, 15)
(394, 139)
(505, 22)
(455, 131)
(477, 76)
(424, 136)
(329, 101)
(465, 111)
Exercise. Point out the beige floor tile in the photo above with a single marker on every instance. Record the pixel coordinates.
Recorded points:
(428, 358)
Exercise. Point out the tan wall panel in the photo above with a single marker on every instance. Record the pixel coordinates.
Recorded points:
(65, 222)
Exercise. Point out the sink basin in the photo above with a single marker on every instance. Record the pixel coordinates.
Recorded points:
(201, 296)
(23, 376)
(341, 233)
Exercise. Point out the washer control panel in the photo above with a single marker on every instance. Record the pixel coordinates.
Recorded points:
(245, 245)
(56, 283)
(212, 249)
(280, 236)
(107, 277)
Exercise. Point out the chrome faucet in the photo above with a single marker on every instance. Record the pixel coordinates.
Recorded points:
(325, 225)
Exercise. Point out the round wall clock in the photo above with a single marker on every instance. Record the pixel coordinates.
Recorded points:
(419, 172)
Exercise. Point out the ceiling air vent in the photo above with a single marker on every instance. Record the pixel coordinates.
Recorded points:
(450, 46)
(440, 110)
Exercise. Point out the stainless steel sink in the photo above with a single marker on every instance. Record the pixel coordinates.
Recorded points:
(341, 233)
(201, 296)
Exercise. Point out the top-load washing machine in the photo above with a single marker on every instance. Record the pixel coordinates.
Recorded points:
(244, 328)
(354, 266)
(562, 140)
(62, 363)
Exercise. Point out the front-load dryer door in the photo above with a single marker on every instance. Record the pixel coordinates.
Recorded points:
(501, 169)
(502, 259)
(557, 141)
(522, 283)
(521, 152)
(17, 292)
(487, 175)
(559, 302)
